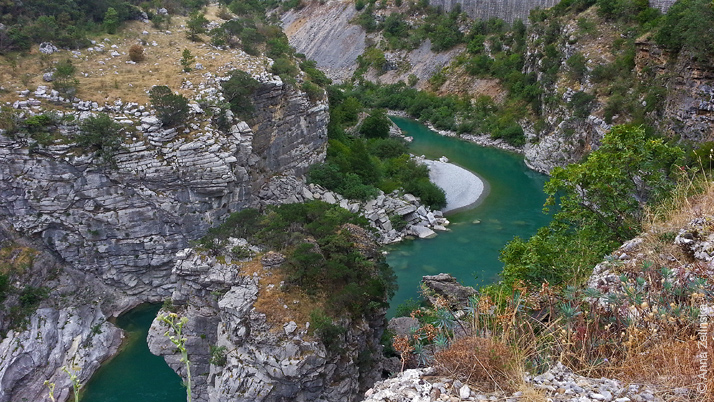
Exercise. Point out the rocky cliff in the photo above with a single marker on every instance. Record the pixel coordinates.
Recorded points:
(684, 108)
(246, 344)
(507, 10)
(119, 228)
(323, 32)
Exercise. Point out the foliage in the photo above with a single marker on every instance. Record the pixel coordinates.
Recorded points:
(687, 26)
(600, 203)
(314, 92)
(176, 325)
(322, 259)
(329, 333)
(136, 53)
(238, 90)
(577, 66)
(171, 108)
(196, 26)
(102, 135)
(111, 21)
(284, 68)
(63, 78)
(218, 355)
(186, 60)
(582, 104)
(315, 74)
(376, 125)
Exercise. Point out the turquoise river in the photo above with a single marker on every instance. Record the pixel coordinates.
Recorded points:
(469, 251)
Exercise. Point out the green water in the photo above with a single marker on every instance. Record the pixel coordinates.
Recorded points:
(135, 375)
(512, 207)
(469, 252)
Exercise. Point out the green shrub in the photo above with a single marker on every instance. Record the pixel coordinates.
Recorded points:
(171, 108)
(186, 60)
(313, 91)
(63, 79)
(111, 20)
(103, 136)
(329, 333)
(376, 125)
(582, 104)
(238, 90)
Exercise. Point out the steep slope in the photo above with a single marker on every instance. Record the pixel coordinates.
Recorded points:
(118, 228)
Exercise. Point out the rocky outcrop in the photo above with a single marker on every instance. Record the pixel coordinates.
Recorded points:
(126, 224)
(323, 32)
(118, 228)
(55, 336)
(447, 288)
(78, 338)
(559, 384)
(383, 212)
(689, 105)
(507, 10)
(261, 359)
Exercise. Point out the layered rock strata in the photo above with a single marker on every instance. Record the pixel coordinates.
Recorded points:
(119, 228)
(262, 360)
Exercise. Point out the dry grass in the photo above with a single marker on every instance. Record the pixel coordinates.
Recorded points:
(669, 364)
(115, 79)
(15, 259)
(279, 306)
(484, 362)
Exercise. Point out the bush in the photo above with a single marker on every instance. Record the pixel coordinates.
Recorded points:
(64, 81)
(136, 53)
(376, 125)
(582, 104)
(313, 91)
(102, 135)
(238, 90)
(171, 108)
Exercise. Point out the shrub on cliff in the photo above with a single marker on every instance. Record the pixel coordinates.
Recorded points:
(171, 108)
(101, 135)
(324, 246)
(600, 203)
(238, 90)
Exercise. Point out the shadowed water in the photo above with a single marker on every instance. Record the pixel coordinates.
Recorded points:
(135, 375)
(512, 207)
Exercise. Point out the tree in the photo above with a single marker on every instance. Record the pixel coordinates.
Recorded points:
(102, 135)
(600, 202)
(376, 125)
(186, 60)
(111, 20)
(238, 91)
(171, 108)
(196, 25)
(64, 81)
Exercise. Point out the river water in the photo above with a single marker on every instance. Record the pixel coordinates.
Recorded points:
(512, 206)
(469, 251)
(134, 374)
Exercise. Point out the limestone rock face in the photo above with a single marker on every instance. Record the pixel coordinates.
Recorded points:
(126, 224)
(119, 228)
(72, 337)
(260, 360)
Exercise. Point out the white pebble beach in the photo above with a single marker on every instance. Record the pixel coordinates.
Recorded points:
(462, 187)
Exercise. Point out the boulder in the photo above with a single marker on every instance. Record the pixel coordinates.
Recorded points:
(446, 286)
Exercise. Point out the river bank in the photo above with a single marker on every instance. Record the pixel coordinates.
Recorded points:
(462, 187)
(483, 140)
